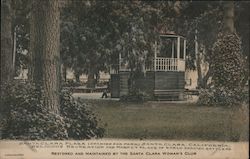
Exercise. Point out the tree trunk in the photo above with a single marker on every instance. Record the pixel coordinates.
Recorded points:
(64, 73)
(204, 82)
(77, 77)
(228, 21)
(198, 61)
(91, 79)
(97, 77)
(45, 51)
(6, 44)
(199, 73)
(14, 49)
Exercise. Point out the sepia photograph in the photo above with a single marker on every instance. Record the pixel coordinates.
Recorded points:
(137, 79)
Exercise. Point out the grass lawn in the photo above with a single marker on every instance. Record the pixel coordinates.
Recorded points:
(158, 120)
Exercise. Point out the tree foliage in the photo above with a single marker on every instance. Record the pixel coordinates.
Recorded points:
(105, 29)
(207, 18)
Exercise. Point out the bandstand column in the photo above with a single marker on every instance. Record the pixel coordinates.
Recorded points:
(178, 47)
(184, 51)
(155, 56)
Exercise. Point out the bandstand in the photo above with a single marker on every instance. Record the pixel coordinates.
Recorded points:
(164, 77)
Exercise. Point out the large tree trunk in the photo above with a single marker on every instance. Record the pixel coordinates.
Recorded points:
(6, 44)
(31, 54)
(6, 69)
(45, 51)
(14, 50)
(228, 21)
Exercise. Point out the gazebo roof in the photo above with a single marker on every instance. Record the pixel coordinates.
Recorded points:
(171, 35)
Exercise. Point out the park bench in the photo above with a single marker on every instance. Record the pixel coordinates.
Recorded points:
(167, 94)
(189, 93)
(86, 90)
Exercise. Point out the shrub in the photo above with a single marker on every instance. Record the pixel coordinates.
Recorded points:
(229, 72)
(215, 97)
(26, 116)
(81, 122)
(228, 63)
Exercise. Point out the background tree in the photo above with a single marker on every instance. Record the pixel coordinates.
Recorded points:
(21, 34)
(207, 19)
(227, 63)
(202, 22)
(87, 38)
(68, 45)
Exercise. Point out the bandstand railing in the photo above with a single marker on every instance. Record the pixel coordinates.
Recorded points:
(159, 64)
